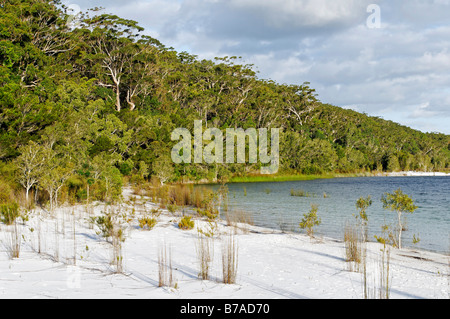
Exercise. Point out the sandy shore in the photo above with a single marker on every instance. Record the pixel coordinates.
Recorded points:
(412, 173)
(270, 264)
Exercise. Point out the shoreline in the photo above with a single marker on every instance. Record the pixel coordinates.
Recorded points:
(415, 174)
(300, 177)
(271, 264)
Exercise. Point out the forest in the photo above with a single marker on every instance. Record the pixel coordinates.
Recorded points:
(85, 107)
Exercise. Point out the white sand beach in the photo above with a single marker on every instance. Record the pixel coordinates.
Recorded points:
(413, 173)
(271, 265)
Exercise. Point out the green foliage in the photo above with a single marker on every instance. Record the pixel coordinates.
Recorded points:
(400, 203)
(362, 204)
(6, 192)
(310, 220)
(186, 223)
(362, 219)
(9, 213)
(147, 223)
(299, 193)
(103, 99)
(105, 224)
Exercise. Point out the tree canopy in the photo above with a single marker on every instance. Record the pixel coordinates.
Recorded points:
(103, 92)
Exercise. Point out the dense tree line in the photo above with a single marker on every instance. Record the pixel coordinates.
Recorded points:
(85, 106)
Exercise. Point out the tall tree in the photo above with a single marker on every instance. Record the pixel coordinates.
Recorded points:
(113, 47)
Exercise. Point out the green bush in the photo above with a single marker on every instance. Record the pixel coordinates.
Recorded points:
(147, 223)
(310, 220)
(105, 223)
(9, 213)
(5, 193)
(186, 223)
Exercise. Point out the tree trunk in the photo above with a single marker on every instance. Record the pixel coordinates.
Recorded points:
(118, 106)
(399, 215)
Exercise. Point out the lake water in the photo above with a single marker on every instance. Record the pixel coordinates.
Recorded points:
(272, 206)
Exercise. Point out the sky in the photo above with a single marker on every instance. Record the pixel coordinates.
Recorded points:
(386, 58)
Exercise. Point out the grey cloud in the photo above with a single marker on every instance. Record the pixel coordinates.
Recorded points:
(401, 71)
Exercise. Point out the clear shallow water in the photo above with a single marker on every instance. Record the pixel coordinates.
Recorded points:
(272, 205)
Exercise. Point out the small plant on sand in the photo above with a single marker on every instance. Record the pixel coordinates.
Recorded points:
(147, 223)
(186, 223)
(310, 220)
(209, 214)
(382, 280)
(352, 242)
(105, 224)
(111, 226)
(13, 242)
(400, 203)
(172, 208)
(165, 269)
(211, 229)
(205, 253)
(229, 260)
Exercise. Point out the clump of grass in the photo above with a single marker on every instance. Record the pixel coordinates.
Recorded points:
(237, 216)
(382, 279)
(172, 208)
(205, 253)
(117, 254)
(165, 270)
(299, 193)
(352, 241)
(186, 223)
(385, 275)
(180, 194)
(147, 223)
(209, 214)
(13, 242)
(229, 260)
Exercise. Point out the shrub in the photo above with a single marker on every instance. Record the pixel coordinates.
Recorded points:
(9, 213)
(310, 220)
(209, 214)
(6, 193)
(105, 224)
(172, 208)
(147, 223)
(398, 202)
(186, 223)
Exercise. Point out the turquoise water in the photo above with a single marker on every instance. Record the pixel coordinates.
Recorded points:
(272, 206)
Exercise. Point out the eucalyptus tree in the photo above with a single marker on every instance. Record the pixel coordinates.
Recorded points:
(111, 48)
(31, 165)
